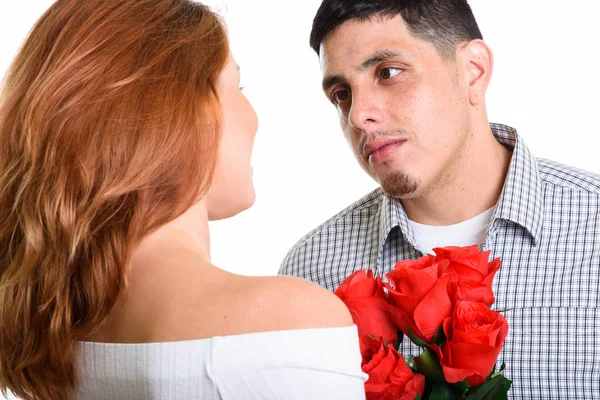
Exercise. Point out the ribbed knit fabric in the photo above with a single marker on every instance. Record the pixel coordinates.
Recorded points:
(294, 364)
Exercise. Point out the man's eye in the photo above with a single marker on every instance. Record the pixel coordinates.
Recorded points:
(388, 73)
(340, 96)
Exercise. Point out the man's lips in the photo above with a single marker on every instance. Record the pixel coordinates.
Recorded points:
(378, 150)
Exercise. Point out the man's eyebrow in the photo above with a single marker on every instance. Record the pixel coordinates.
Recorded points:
(329, 81)
(377, 57)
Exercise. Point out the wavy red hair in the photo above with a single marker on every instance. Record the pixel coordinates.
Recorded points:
(109, 128)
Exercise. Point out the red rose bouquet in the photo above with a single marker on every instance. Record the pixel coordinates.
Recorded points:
(442, 304)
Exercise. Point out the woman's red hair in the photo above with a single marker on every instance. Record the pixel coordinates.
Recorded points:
(109, 128)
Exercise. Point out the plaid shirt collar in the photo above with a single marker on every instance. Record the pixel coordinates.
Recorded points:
(520, 202)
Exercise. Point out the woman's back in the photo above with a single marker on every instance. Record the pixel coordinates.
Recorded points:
(186, 329)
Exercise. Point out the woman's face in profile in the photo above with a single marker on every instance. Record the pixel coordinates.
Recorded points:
(232, 190)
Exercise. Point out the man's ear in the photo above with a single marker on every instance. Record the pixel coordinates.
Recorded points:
(477, 61)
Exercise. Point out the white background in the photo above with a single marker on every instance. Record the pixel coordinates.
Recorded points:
(546, 84)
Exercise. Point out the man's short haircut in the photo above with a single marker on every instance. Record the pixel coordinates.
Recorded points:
(444, 23)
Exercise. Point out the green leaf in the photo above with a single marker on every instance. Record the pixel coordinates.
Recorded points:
(442, 390)
(439, 337)
(506, 384)
(493, 374)
(501, 395)
(464, 386)
(429, 365)
(488, 390)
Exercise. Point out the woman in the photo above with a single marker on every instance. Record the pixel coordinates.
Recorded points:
(122, 133)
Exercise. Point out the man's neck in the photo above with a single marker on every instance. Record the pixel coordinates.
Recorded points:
(471, 186)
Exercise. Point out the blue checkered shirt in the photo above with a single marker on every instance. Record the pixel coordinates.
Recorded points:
(546, 230)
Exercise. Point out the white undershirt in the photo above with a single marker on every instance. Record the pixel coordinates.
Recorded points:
(465, 233)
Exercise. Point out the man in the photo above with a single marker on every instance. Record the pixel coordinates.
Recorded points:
(408, 79)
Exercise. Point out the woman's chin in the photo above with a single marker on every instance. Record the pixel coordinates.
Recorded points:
(241, 203)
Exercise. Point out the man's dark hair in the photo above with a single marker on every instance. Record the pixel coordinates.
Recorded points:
(444, 23)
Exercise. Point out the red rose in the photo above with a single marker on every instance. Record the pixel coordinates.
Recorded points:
(420, 296)
(389, 376)
(367, 301)
(475, 273)
(475, 335)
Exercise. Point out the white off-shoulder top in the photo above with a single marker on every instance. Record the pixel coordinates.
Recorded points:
(305, 364)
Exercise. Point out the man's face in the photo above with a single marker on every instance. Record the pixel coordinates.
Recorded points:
(402, 107)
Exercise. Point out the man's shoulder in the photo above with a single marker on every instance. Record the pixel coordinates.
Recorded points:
(365, 206)
(363, 209)
(567, 177)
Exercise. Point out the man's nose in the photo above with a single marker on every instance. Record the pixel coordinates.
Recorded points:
(366, 111)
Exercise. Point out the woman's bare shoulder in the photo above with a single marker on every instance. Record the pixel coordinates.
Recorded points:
(236, 304)
(187, 301)
(285, 302)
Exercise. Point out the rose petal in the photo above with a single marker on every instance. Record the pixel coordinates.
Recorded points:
(470, 362)
(433, 309)
(414, 281)
(372, 317)
(359, 284)
(475, 336)
(474, 291)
